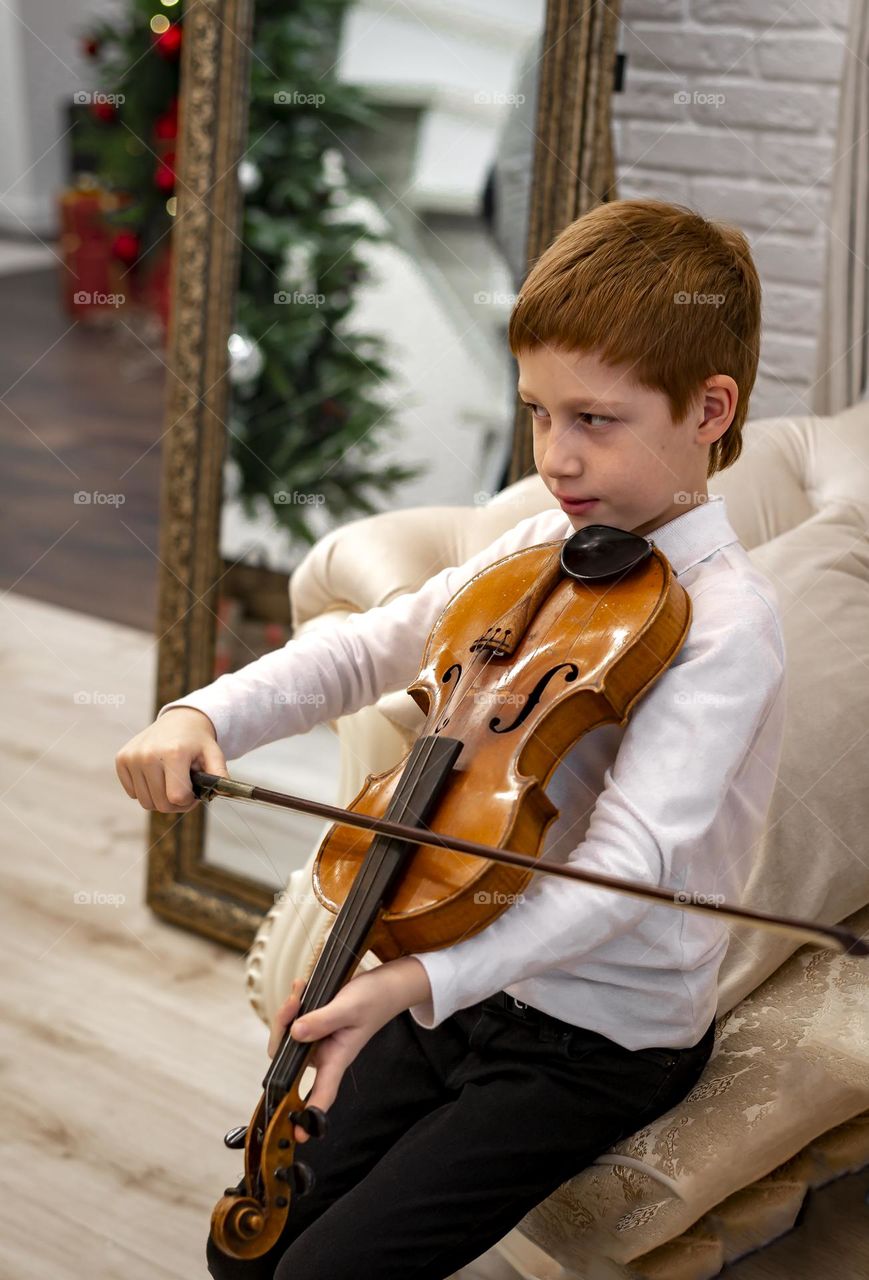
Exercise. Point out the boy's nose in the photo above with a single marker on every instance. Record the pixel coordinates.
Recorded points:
(560, 460)
(561, 467)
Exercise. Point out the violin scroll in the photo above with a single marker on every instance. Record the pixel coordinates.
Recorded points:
(249, 1218)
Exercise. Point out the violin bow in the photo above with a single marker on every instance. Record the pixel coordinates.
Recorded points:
(834, 937)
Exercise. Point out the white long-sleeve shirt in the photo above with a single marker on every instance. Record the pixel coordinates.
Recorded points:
(677, 797)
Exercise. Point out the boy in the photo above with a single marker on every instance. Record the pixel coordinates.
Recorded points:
(487, 1073)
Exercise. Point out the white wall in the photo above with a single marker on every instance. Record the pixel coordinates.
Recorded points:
(760, 159)
(41, 67)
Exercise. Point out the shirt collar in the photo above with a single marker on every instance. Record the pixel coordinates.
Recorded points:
(696, 534)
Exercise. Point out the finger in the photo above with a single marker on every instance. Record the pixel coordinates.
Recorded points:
(331, 1062)
(290, 1007)
(213, 760)
(312, 1097)
(279, 1026)
(276, 1035)
(284, 1017)
(317, 1024)
(125, 779)
(179, 791)
(154, 776)
(143, 794)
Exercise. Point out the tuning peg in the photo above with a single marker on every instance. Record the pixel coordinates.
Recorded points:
(311, 1119)
(235, 1138)
(301, 1178)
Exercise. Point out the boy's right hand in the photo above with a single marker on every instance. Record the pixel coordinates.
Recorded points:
(154, 767)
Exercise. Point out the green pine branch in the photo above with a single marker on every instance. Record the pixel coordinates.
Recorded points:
(312, 420)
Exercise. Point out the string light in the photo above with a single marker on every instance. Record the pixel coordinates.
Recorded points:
(160, 23)
(171, 206)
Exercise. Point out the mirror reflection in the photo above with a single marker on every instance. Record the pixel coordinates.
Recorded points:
(385, 184)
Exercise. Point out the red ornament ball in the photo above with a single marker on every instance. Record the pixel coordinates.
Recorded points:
(126, 246)
(168, 42)
(105, 111)
(164, 174)
(166, 126)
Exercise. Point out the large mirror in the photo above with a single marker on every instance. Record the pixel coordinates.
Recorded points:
(353, 224)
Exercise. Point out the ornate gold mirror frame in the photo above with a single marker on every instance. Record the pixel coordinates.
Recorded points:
(573, 171)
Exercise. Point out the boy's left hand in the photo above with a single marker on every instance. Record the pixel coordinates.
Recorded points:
(341, 1027)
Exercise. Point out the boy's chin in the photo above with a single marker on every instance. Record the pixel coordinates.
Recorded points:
(596, 516)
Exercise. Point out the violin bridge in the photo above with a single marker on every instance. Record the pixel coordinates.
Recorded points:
(497, 639)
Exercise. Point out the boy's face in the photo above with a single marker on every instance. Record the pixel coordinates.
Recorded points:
(599, 434)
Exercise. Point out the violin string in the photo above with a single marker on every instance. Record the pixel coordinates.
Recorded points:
(353, 905)
(349, 916)
(355, 902)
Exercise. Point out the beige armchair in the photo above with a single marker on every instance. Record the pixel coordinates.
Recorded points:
(782, 1105)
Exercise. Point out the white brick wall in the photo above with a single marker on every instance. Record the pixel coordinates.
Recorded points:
(750, 141)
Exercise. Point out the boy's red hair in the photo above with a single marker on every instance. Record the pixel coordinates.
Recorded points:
(655, 286)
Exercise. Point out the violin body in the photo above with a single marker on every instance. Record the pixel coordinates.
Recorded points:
(586, 654)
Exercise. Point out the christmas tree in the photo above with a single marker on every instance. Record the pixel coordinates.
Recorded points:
(309, 411)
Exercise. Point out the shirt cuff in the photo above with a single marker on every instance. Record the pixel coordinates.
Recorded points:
(441, 975)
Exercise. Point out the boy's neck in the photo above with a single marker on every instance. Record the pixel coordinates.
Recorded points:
(676, 509)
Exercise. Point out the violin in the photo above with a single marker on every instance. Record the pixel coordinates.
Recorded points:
(433, 850)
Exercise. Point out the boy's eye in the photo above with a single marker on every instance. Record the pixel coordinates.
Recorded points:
(592, 419)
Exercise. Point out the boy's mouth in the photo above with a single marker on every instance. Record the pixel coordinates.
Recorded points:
(575, 504)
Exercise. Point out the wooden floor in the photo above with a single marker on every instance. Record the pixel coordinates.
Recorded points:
(81, 412)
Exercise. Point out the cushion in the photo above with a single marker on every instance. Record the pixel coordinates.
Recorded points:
(716, 1177)
(812, 860)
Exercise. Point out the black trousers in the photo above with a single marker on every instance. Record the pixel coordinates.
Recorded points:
(440, 1141)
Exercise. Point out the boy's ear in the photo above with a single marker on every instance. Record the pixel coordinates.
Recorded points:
(720, 397)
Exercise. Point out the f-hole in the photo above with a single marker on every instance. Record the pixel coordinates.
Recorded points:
(534, 696)
(454, 673)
